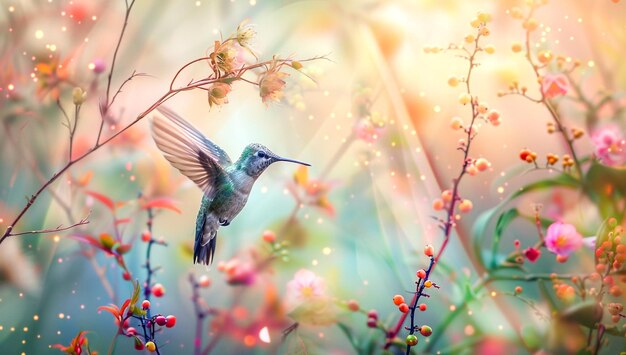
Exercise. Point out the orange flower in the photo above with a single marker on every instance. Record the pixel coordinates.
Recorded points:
(554, 85)
(272, 83)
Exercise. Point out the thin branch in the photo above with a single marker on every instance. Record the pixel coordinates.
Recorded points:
(54, 230)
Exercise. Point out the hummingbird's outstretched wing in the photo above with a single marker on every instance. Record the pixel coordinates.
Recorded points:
(190, 151)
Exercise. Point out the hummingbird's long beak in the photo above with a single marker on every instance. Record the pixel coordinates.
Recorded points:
(291, 161)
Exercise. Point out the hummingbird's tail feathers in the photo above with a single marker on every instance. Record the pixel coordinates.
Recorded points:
(204, 251)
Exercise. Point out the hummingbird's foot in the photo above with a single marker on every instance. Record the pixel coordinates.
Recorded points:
(224, 222)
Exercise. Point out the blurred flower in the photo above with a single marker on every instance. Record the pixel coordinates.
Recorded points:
(610, 145)
(79, 96)
(563, 239)
(50, 74)
(271, 84)
(305, 285)
(218, 94)
(315, 191)
(239, 272)
(554, 85)
(98, 66)
(369, 128)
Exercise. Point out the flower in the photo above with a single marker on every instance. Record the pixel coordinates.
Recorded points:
(305, 285)
(225, 57)
(532, 254)
(79, 96)
(271, 85)
(562, 238)
(554, 85)
(314, 192)
(239, 272)
(76, 346)
(245, 33)
(369, 128)
(610, 145)
(218, 94)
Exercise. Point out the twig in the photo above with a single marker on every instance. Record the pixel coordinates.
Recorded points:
(53, 230)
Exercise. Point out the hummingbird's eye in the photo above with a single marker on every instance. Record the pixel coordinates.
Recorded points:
(261, 154)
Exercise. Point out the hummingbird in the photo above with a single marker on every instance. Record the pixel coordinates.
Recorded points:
(226, 185)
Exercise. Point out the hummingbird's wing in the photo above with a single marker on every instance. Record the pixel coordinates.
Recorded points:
(190, 151)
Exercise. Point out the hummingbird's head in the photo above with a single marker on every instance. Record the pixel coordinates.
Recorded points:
(256, 158)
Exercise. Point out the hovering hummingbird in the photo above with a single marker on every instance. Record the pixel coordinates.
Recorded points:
(226, 185)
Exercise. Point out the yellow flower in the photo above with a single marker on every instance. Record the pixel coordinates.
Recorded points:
(218, 94)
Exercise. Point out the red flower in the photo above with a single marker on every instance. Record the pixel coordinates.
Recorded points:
(554, 85)
(532, 254)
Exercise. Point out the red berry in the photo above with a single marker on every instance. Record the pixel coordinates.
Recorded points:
(160, 320)
(429, 250)
(171, 321)
(269, 236)
(426, 330)
(372, 314)
(421, 274)
(422, 307)
(158, 290)
(126, 275)
(146, 236)
(145, 304)
(131, 331)
(371, 322)
(353, 305)
(398, 300)
(404, 308)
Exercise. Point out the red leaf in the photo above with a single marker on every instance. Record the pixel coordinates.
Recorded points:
(87, 239)
(162, 202)
(126, 303)
(100, 197)
(112, 309)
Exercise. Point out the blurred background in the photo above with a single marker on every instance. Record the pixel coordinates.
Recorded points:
(373, 120)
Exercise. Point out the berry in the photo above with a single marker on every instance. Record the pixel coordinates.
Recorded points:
(482, 164)
(126, 276)
(150, 346)
(371, 322)
(205, 281)
(158, 290)
(465, 206)
(171, 321)
(353, 305)
(398, 300)
(131, 331)
(146, 236)
(446, 195)
(456, 123)
(403, 307)
(518, 289)
(438, 204)
(422, 307)
(421, 274)
(145, 304)
(372, 314)
(561, 258)
(426, 330)
(411, 340)
(453, 81)
(269, 236)
(490, 49)
(465, 98)
(160, 320)
(428, 284)
(429, 250)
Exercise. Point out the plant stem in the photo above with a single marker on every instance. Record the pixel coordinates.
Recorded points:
(420, 284)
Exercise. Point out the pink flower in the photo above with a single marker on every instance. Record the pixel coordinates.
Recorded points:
(368, 130)
(239, 272)
(563, 239)
(610, 146)
(305, 285)
(554, 85)
(271, 86)
(532, 254)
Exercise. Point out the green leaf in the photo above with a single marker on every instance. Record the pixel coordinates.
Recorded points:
(479, 230)
(605, 186)
(348, 332)
(587, 314)
(503, 222)
(136, 292)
